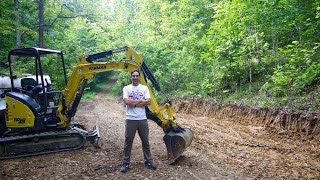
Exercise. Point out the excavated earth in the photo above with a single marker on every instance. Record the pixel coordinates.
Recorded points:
(230, 142)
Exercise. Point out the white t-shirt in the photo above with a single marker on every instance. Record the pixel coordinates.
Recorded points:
(139, 92)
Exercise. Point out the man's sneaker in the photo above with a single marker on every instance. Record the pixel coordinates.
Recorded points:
(124, 168)
(150, 166)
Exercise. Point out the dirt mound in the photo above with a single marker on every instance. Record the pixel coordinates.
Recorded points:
(281, 119)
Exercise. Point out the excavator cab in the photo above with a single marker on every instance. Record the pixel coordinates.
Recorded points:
(34, 92)
(29, 124)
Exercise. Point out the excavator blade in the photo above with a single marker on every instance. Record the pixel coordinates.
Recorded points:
(177, 142)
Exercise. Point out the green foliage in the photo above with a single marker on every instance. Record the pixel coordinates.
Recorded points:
(7, 31)
(298, 73)
(88, 94)
(213, 49)
(123, 80)
(91, 91)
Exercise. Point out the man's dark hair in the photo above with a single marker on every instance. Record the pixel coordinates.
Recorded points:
(136, 70)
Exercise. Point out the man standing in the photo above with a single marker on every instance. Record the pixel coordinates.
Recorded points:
(136, 96)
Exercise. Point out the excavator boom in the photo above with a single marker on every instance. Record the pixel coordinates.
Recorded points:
(176, 138)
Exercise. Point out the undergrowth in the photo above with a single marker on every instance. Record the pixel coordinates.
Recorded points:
(308, 101)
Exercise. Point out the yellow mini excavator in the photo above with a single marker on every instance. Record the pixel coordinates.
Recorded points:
(37, 119)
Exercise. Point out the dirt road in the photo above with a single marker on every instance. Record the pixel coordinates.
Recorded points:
(221, 149)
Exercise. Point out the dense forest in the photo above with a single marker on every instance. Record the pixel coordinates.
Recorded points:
(256, 52)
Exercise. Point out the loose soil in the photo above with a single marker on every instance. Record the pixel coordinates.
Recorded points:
(223, 148)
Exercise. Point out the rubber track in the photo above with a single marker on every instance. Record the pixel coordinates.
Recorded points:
(5, 140)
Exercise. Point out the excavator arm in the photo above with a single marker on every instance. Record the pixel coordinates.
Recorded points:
(177, 139)
(154, 111)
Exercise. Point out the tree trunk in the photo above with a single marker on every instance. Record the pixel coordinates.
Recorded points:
(257, 48)
(250, 57)
(253, 50)
(18, 34)
(202, 77)
(250, 73)
(214, 80)
(275, 46)
(155, 24)
(41, 23)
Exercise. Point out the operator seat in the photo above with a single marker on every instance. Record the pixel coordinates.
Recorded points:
(28, 83)
(30, 87)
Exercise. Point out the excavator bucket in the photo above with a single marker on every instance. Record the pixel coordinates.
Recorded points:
(177, 142)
